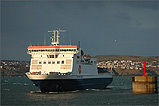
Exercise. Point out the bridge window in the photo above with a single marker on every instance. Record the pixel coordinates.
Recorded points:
(44, 62)
(62, 62)
(49, 62)
(58, 62)
(40, 62)
(50, 56)
(53, 62)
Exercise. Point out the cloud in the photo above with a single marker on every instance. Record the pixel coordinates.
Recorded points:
(95, 24)
(143, 4)
(143, 17)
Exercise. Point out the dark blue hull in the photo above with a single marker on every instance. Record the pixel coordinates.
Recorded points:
(57, 85)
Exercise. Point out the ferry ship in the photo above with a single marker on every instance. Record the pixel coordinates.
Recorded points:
(56, 68)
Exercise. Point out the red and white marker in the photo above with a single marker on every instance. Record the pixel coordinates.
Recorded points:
(144, 69)
(79, 69)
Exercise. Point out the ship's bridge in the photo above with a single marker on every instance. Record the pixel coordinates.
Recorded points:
(52, 58)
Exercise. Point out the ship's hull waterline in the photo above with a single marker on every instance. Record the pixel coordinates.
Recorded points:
(57, 85)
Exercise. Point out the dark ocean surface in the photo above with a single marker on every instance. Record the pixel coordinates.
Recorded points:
(21, 91)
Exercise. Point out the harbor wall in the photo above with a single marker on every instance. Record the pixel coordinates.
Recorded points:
(144, 84)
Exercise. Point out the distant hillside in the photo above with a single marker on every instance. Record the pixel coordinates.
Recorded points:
(127, 57)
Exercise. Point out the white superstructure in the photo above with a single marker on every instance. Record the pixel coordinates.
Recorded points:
(60, 58)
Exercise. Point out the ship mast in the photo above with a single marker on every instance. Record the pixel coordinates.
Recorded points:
(55, 37)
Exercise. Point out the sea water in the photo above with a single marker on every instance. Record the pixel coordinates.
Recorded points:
(21, 91)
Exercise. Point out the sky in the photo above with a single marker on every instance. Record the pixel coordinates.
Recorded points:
(102, 27)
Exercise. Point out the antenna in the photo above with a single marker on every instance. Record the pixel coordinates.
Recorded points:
(44, 40)
(55, 36)
(70, 41)
(78, 43)
(30, 43)
(69, 36)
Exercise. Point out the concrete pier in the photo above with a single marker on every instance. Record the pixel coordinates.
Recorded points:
(144, 84)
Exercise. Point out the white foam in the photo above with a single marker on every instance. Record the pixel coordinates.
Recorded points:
(6, 89)
(17, 83)
(5, 81)
(26, 84)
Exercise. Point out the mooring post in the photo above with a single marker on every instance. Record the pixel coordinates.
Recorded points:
(144, 83)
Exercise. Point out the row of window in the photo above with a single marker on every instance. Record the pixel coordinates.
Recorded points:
(87, 62)
(52, 62)
(52, 56)
(51, 50)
